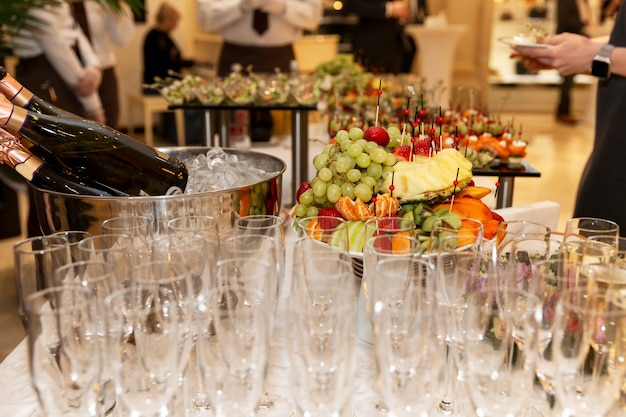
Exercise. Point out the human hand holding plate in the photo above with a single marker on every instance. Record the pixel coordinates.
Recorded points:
(523, 41)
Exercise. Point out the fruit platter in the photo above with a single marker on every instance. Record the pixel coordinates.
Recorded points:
(385, 173)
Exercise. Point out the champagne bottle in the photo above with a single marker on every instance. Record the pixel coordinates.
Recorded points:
(37, 172)
(96, 153)
(22, 97)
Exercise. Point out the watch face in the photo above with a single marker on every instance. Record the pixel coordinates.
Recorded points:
(600, 69)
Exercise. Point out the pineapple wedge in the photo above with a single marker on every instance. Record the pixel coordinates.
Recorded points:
(429, 179)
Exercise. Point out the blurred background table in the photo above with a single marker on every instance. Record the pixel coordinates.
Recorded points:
(506, 177)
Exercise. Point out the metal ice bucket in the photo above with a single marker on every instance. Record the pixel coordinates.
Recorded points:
(59, 211)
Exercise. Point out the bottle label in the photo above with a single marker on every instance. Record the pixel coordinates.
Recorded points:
(28, 168)
(17, 157)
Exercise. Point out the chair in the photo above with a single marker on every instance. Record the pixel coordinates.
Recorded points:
(149, 105)
(207, 48)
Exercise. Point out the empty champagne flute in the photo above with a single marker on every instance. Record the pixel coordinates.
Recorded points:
(271, 404)
(589, 352)
(411, 358)
(200, 256)
(114, 249)
(395, 277)
(149, 337)
(206, 226)
(498, 377)
(233, 327)
(74, 237)
(320, 348)
(99, 278)
(191, 250)
(34, 261)
(139, 228)
(461, 268)
(262, 247)
(65, 351)
(549, 280)
(376, 248)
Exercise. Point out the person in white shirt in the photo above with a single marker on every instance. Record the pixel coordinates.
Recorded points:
(260, 33)
(107, 27)
(57, 62)
(264, 48)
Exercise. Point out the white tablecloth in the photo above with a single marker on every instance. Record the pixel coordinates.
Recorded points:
(17, 397)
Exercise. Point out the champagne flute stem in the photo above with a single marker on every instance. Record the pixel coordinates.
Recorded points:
(446, 405)
(598, 362)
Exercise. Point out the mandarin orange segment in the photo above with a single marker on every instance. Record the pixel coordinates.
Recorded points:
(399, 244)
(314, 230)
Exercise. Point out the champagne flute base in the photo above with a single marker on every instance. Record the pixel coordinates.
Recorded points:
(274, 405)
(370, 408)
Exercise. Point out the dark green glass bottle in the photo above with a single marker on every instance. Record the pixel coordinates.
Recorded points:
(95, 153)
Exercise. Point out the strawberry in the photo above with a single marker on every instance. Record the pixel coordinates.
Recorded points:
(377, 134)
(383, 244)
(422, 147)
(328, 223)
(403, 152)
(303, 187)
(389, 224)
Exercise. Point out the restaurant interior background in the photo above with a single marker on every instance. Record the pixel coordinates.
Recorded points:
(480, 62)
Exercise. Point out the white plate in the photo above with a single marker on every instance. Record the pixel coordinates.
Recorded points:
(519, 41)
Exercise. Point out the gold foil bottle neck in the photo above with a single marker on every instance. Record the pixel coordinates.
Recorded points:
(14, 91)
(11, 117)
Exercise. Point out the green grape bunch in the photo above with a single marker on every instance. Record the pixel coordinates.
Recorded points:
(350, 167)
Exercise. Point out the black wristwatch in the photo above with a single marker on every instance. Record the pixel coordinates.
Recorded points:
(601, 64)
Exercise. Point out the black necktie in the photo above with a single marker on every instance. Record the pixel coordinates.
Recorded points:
(260, 22)
(78, 10)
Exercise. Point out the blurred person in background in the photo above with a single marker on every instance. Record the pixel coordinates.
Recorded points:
(161, 57)
(58, 63)
(379, 41)
(260, 33)
(160, 53)
(105, 27)
(602, 188)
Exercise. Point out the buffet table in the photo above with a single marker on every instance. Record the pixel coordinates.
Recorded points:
(506, 177)
(18, 399)
(216, 122)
